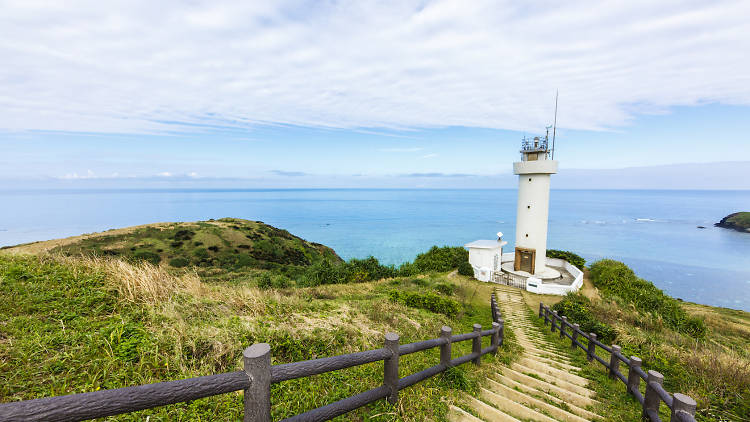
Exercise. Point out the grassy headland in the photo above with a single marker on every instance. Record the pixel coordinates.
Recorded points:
(739, 221)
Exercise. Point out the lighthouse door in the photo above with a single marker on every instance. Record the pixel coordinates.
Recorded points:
(525, 260)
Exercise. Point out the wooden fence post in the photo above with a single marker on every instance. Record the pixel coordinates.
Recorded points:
(614, 361)
(476, 345)
(634, 380)
(257, 397)
(445, 349)
(574, 336)
(563, 323)
(592, 347)
(651, 399)
(553, 319)
(390, 367)
(682, 404)
(495, 337)
(541, 309)
(501, 332)
(546, 315)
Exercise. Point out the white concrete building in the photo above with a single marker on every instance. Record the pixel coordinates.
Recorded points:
(485, 257)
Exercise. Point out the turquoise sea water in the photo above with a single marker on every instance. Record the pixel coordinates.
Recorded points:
(652, 231)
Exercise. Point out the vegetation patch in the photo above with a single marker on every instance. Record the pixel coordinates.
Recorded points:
(573, 258)
(577, 308)
(617, 281)
(429, 301)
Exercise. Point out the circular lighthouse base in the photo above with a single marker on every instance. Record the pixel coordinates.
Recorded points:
(546, 273)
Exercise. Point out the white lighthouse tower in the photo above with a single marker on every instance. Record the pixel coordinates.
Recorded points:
(533, 172)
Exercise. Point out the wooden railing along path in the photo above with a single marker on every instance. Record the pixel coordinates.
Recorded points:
(257, 377)
(682, 407)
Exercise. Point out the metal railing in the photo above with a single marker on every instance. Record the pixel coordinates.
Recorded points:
(508, 279)
(682, 407)
(257, 377)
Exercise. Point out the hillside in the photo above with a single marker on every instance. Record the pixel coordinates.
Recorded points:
(215, 247)
(107, 317)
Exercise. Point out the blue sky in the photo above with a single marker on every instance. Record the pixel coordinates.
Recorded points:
(402, 94)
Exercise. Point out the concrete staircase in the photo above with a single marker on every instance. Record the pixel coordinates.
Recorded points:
(540, 386)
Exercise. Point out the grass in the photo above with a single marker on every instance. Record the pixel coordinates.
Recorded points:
(71, 324)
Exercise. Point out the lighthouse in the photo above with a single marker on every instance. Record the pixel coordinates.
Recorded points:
(534, 171)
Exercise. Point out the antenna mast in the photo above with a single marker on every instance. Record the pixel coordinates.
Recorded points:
(554, 126)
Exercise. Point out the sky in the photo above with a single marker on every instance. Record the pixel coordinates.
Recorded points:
(371, 94)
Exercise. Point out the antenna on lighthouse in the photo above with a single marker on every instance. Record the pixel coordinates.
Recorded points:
(554, 126)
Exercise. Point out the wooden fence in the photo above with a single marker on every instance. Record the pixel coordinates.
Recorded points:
(682, 407)
(257, 377)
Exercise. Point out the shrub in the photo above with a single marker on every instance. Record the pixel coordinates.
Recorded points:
(179, 262)
(577, 308)
(445, 288)
(618, 281)
(269, 280)
(428, 301)
(575, 259)
(441, 259)
(367, 269)
(465, 268)
(149, 256)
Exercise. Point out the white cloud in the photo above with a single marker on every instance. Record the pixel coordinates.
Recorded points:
(130, 67)
(415, 149)
(430, 155)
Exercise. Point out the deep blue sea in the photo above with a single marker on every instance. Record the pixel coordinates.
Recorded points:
(655, 232)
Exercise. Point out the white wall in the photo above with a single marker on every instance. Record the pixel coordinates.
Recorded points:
(532, 215)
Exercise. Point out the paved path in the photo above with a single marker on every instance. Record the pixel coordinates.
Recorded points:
(542, 385)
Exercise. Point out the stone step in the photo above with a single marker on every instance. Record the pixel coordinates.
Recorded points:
(550, 370)
(564, 394)
(583, 391)
(489, 413)
(531, 391)
(533, 403)
(456, 414)
(555, 363)
(513, 408)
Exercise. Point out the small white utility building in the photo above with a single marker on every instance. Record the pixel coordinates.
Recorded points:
(485, 257)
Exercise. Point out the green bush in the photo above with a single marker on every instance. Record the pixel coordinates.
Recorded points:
(367, 269)
(575, 259)
(149, 256)
(428, 301)
(268, 280)
(465, 268)
(577, 308)
(442, 259)
(445, 288)
(618, 281)
(179, 262)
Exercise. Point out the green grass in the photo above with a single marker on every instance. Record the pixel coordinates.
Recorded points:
(65, 327)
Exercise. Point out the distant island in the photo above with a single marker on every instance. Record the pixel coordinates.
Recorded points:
(739, 221)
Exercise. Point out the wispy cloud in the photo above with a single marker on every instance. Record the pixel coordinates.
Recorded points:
(431, 155)
(414, 149)
(124, 66)
(289, 173)
(438, 175)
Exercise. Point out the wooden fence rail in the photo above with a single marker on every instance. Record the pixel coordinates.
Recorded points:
(257, 377)
(682, 407)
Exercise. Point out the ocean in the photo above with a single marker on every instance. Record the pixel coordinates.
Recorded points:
(654, 232)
